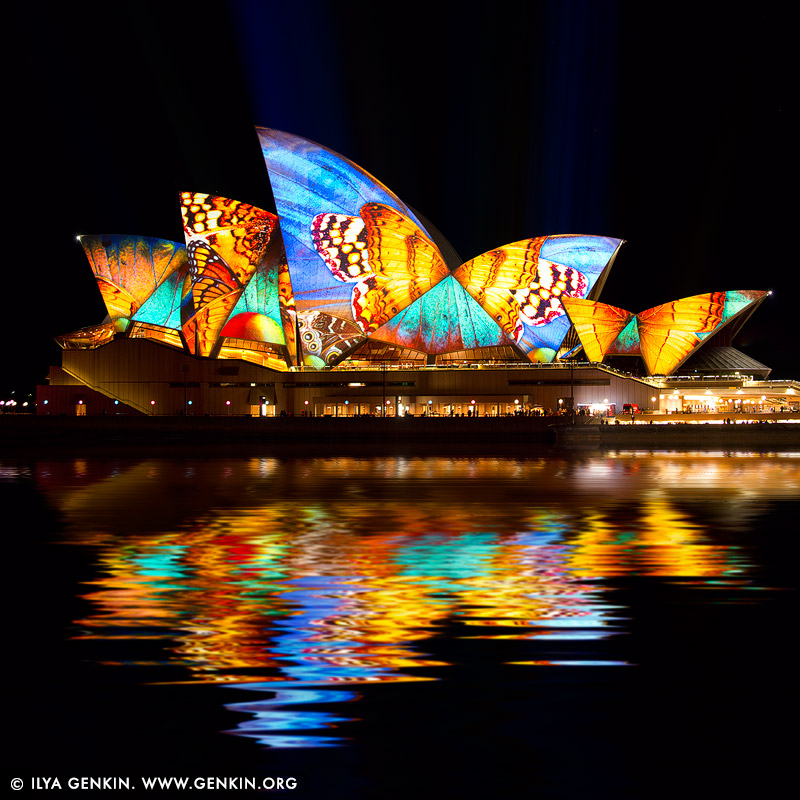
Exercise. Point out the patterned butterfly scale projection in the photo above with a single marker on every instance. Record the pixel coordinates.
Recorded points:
(667, 334)
(210, 276)
(326, 338)
(288, 310)
(515, 285)
(350, 261)
(392, 264)
(237, 231)
(211, 290)
(387, 257)
(342, 243)
(225, 241)
(358, 253)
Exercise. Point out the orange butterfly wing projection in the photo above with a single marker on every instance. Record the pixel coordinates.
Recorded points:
(202, 331)
(515, 285)
(225, 239)
(668, 333)
(119, 303)
(209, 275)
(128, 269)
(237, 231)
(210, 291)
(404, 261)
(388, 258)
(493, 277)
(596, 324)
(288, 308)
(392, 263)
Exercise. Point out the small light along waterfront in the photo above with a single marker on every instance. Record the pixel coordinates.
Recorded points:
(561, 624)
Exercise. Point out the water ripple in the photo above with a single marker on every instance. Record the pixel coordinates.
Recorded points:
(281, 578)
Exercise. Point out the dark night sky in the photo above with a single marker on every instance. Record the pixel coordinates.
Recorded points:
(655, 123)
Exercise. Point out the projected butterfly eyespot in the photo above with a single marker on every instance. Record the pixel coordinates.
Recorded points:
(325, 337)
(540, 303)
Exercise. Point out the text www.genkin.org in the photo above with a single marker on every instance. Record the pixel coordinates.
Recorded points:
(160, 784)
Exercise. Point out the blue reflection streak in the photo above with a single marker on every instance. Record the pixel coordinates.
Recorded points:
(268, 718)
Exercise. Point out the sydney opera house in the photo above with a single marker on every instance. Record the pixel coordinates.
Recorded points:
(348, 302)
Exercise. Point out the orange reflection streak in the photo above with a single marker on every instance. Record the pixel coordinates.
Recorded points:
(660, 541)
(323, 571)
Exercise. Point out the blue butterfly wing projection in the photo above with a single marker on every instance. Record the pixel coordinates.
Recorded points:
(309, 180)
(591, 255)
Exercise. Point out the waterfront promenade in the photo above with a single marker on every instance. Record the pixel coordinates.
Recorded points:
(363, 435)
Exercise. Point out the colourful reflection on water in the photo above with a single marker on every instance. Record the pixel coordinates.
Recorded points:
(292, 579)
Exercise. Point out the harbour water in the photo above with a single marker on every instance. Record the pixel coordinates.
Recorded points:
(558, 626)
